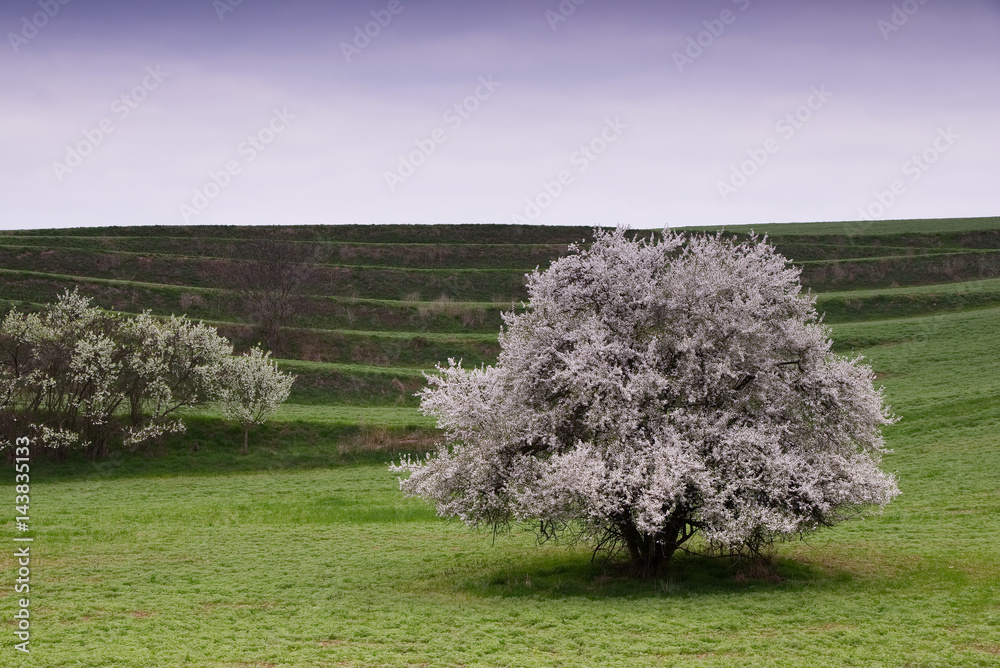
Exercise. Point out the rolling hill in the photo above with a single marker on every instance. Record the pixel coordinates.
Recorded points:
(304, 553)
(391, 301)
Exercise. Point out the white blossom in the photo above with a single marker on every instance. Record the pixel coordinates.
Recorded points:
(254, 388)
(651, 391)
(84, 377)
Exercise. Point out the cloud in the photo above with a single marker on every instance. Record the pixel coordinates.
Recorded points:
(354, 121)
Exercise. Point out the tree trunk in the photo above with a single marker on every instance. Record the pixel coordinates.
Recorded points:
(99, 449)
(246, 440)
(271, 333)
(651, 553)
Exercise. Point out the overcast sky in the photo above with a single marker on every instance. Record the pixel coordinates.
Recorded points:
(420, 111)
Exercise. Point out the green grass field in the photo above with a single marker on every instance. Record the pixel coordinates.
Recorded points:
(304, 553)
(859, 228)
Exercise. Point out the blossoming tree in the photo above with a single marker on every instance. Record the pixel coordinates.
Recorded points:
(75, 377)
(254, 389)
(651, 392)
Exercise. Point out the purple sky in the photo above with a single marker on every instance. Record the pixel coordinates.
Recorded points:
(598, 113)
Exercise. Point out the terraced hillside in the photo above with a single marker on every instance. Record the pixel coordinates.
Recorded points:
(390, 301)
(304, 553)
(384, 304)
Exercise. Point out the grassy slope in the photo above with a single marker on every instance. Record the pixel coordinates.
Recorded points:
(304, 554)
(290, 565)
(858, 228)
(400, 297)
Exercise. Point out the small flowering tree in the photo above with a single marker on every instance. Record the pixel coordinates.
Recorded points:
(651, 392)
(167, 365)
(254, 389)
(76, 377)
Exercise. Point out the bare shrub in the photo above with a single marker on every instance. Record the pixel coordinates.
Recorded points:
(271, 277)
(189, 299)
(108, 261)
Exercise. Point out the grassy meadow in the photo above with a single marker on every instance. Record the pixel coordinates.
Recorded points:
(304, 553)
